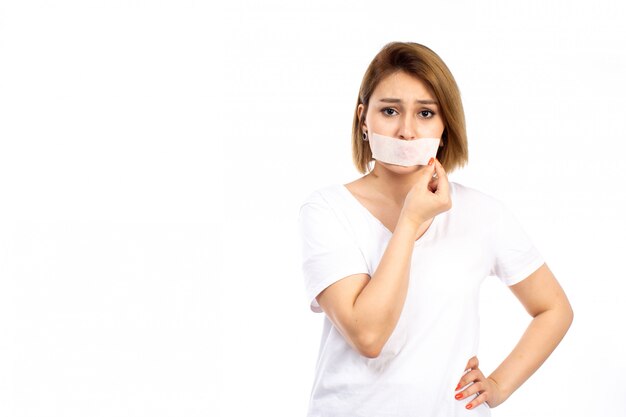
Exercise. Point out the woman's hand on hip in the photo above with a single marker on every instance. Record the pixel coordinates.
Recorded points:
(487, 389)
(429, 196)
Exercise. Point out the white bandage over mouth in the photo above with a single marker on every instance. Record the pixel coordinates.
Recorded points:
(403, 152)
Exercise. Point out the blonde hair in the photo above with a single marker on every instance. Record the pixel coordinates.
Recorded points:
(423, 63)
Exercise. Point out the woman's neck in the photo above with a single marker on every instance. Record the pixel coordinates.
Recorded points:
(391, 185)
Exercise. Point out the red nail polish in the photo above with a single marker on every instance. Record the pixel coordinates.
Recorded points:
(431, 161)
(468, 406)
(458, 396)
(457, 387)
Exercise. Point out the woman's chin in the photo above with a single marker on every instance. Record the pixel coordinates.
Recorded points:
(399, 169)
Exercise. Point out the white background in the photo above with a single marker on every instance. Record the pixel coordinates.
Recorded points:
(154, 154)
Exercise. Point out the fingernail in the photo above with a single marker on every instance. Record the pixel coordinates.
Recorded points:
(431, 161)
(468, 406)
(458, 396)
(457, 387)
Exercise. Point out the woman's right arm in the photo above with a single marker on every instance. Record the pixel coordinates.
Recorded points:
(367, 310)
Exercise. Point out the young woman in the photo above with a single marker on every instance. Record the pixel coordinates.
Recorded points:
(396, 258)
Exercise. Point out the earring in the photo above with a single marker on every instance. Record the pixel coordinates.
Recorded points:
(365, 136)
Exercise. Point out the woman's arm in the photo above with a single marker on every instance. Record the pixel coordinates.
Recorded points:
(546, 302)
(365, 310)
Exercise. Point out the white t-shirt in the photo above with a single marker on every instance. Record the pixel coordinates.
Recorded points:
(437, 333)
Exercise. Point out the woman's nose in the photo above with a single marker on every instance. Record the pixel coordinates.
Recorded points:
(408, 128)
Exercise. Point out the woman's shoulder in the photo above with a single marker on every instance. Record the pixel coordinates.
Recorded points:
(325, 195)
(328, 205)
(473, 198)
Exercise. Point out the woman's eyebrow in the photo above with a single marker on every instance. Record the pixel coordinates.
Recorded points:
(397, 100)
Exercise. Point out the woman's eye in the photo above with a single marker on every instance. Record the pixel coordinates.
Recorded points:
(427, 114)
(388, 111)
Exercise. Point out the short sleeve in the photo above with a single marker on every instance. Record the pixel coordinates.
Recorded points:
(329, 251)
(515, 256)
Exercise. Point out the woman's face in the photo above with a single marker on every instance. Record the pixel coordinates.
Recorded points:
(403, 107)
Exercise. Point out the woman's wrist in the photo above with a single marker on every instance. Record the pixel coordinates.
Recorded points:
(412, 223)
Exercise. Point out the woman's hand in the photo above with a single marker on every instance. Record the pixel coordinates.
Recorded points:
(487, 388)
(429, 196)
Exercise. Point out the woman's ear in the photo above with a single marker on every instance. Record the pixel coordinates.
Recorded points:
(360, 110)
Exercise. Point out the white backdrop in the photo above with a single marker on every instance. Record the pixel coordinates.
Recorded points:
(154, 154)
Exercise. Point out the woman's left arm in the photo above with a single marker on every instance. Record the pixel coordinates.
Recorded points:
(546, 302)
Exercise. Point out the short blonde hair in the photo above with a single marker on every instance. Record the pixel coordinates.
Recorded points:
(423, 63)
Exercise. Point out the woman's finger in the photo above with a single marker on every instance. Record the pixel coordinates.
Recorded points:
(477, 389)
(471, 376)
(443, 187)
(472, 363)
(433, 184)
(425, 175)
(482, 398)
(485, 390)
